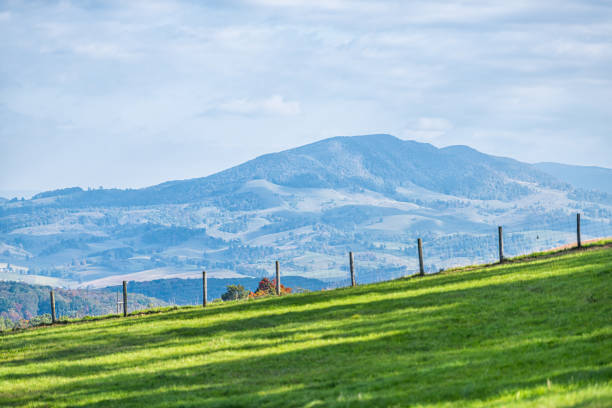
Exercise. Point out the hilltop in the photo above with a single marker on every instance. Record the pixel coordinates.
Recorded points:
(379, 163)
(528, 334)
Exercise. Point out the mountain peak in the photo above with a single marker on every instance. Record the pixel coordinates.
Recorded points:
(378, 162)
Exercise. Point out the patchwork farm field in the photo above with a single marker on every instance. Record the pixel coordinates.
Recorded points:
(536, 333)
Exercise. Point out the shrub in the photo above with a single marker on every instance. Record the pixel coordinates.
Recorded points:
(267, 287)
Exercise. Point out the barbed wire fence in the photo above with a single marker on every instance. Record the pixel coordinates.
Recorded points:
(537, 233)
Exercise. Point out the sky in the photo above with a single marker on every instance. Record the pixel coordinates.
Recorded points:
(134, 93)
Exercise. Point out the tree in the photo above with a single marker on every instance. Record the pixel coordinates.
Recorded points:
(6, 323)
(266, 286)
(41, 319)
(235, 292)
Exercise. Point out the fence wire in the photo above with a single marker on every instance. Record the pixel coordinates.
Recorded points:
(376, 262)
(536, 233)
(385, 261)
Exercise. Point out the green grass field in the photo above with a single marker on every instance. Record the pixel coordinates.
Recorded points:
(532, 334)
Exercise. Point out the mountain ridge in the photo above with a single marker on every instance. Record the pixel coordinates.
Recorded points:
(379, 162)
(546, 172)
(581, 177)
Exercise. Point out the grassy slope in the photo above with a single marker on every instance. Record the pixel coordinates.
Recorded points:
(528, 334)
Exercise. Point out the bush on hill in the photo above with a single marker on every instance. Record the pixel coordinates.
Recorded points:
(267, 287)
(235, 292)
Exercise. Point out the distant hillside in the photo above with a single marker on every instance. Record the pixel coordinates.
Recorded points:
(56, 193)
(189, 291)
(23, 301)
(584, 177)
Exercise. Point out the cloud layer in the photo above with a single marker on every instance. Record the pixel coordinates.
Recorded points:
(134, 93)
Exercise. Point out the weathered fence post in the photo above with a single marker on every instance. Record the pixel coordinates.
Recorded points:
(278, 287)
(500, 243)
(125, 305)
(53, 320)
(352, 266)
(578, 238)
(204, 289)
(421, 266)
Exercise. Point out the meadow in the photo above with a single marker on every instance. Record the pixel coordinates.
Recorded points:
(535, 333)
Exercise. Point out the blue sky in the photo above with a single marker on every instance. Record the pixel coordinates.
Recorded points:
(133, 93)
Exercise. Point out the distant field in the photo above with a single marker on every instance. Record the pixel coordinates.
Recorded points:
(31, 279)
(532, 334)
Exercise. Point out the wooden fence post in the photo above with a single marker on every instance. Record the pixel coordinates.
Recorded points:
(352, 266)
(53, 320)
(125, 304)
(500, 243)
(421, 266)
(578, 237)
(204, 289)
(278, 287)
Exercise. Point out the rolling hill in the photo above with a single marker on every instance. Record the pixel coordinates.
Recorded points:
(529, 334)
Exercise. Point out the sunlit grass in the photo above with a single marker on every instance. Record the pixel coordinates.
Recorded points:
(528, 334)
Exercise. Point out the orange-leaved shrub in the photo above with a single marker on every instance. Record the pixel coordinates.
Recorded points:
(267, 287)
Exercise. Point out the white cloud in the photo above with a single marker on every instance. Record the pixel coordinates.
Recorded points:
(427, 129)
(274, 105)
(434, 124)
(314, 4)
(528, 99)
(103, 51)
(582, 49)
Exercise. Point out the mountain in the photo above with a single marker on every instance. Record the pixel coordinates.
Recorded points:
(583, 177)
(306, 207)
(378, 163)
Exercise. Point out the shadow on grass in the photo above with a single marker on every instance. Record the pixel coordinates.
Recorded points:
(384, 369)
(452, 276)
(100, 343)
(462, 344)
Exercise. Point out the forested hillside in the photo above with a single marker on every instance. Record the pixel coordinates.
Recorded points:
(189, 291)
(21, 302)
